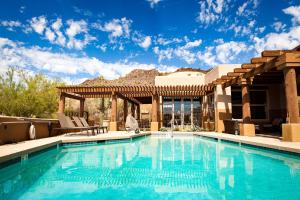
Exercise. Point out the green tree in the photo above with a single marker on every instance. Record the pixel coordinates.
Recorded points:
(27, 95)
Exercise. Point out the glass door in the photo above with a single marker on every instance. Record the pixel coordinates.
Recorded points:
(167, 111)
(177, 111)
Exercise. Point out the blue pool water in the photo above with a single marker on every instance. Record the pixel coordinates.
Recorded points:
(154, 168)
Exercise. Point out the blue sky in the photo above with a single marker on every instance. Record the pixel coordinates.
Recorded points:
(76, 40)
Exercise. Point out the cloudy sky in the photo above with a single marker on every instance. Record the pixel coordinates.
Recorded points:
(76, 40)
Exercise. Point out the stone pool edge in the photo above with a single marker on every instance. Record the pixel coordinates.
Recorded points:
(260, 142)
(12, 153)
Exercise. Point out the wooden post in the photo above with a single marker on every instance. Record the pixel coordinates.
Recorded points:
(204, 113)
(61, 105)
(138, 112)
(133, 110)
(291, 95)
(246, 128)
(125, 109)
(246, 102)
(113, 118)
(154, 118)
(81, 107)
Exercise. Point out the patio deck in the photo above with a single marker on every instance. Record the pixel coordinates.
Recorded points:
(17, 150)
(266, 142)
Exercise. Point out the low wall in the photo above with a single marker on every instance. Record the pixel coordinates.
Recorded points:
(16, 129)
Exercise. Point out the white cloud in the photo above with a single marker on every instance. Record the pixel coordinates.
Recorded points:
(163, 41)
(242, 8)
(284, 40)
(163, 54)
(103, 47)
(225, 52)
(192, 44)
(279, 26)
(146, 42)
(116, 27)
(182, 52)
(38, 24)
(84, 12)
(22, 9)
(247, 8)
(76, 28)
(210, 10)
(65, 65)
(60, 40)
(153, 3)
(10, 25)
(295, 12)
(50, 35)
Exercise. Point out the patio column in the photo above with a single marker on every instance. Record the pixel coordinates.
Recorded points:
(125, 111)
(81, 107)
(291, 130)
(133, 110)
(246, 127)
(154, 120)
(138, 112)
(291, 95)
(205, 113)
(113, 119)
(61, 105)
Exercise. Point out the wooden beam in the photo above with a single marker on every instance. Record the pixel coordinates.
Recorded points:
(272, 53)
(233, 74)
(261, 60)
(72, 96)
(239, 70)
(249, 66)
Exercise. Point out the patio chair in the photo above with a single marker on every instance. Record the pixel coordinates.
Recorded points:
(85, 124)
(80, 124)
(67, 125)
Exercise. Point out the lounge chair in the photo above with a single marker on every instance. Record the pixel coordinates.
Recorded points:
(85, 124)
(67, 124)
(80, 124)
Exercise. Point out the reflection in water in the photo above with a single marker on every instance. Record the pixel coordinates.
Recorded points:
(155, 167)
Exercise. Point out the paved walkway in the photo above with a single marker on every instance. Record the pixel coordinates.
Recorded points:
(11, 151)
(260, 141)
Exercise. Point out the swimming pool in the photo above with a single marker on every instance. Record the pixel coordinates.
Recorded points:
(154, 167)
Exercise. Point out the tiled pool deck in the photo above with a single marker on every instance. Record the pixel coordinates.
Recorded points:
(12, 151)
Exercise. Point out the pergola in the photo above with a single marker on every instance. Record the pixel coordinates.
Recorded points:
(136, 95)
(273, 66)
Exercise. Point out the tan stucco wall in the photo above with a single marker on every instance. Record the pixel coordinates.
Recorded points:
(181, 78)
(219, 71)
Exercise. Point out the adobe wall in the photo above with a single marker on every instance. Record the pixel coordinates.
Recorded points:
(181, 78)
(16, 129)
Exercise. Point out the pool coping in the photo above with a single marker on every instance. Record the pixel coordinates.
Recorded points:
(257, 141)
(11, 153)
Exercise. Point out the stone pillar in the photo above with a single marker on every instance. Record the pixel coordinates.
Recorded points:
(61, 105)
(291, 130)
(125, 111)
(81, 107)
(246, 128)
(113, 120)
(138, 112)
(154, 118)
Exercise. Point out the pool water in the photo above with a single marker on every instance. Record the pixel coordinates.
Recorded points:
(154, 167)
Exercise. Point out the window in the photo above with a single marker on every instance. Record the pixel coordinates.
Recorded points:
(258, 102)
